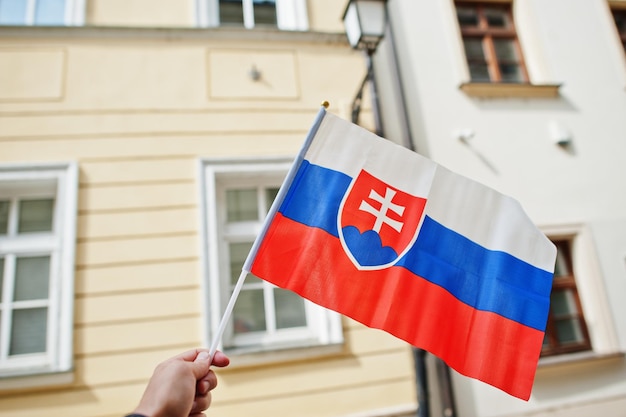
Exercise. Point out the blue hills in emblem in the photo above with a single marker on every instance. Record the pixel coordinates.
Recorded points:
(367, 248)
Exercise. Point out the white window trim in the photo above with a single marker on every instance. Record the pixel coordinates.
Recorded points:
(330, 332)
(56, 369)
(290, 14)
(592, 292)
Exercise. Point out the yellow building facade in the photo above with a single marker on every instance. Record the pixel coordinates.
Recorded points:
(127, 128)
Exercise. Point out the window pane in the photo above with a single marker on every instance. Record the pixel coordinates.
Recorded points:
(270, 196)
(28, 331)
(511, 73)
(620, 20)
(265, 12)
(561, 267)
(13, 12)
(4, 217)
(474, 49)
(241, 205)
(563, 303)
(50, 12)
(35, 215)
(505, 50)
(231, 11)
(238, 254)
(249, 312)
(479, 72)
(32, 278)
(1, 277)
(497, 18)
(289, 309)
(569, 331)
(467, 16)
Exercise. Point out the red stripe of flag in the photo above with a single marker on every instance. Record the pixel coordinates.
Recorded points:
(478, 344)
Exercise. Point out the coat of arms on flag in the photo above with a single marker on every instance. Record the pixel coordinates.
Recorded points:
(377, 222)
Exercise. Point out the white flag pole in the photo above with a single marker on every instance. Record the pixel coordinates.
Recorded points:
(217, 337)
(227, 313)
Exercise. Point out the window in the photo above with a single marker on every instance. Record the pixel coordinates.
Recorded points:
(620, 21)
(249, 13)
(566, 331)
(492, 49)
(237, 197)
(37, 240)
(281, 14)
(42, 12)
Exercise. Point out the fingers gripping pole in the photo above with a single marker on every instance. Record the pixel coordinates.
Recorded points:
(217, 337)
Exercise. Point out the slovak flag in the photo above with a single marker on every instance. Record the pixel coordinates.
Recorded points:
(395, 241)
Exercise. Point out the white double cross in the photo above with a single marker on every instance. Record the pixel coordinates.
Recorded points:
(386, 204)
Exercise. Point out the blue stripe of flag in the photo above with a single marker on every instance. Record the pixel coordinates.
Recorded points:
(484, 279)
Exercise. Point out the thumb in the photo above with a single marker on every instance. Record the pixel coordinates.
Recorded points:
(201, 365)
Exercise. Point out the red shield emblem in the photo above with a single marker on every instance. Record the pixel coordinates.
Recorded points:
(377, 223)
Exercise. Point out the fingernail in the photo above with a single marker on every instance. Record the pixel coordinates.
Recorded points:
(202, 356)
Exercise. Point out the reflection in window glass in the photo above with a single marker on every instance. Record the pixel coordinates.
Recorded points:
(231, 11)
(270, 196)
(265, 12)
(479, 72)
(249, 312)
(249, 13)
(32, 278)
(241, 205)
(620, 20)
(289, 309)
(32, 12)
(563, 303)
(496, 18)
(35, 215)
(238, 254)
(474, 48)
(569, 331)
(4, 216)
(1, 278)
(50, 12)
(13, 12)
(505, 50)
(28, 331)
(619, 15)
(510, 72)
(467, 16)
(561, 268)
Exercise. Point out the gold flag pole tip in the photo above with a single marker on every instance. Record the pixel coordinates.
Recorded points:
(325, 104)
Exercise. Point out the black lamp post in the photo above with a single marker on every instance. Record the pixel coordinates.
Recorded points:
(365, 22)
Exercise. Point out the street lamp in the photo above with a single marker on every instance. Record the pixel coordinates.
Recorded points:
(365, 22)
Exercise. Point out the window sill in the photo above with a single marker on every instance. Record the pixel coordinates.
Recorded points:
(574, 358)
(510, 90)
(25, 382)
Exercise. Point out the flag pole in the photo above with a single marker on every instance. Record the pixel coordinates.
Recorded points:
(245, 270)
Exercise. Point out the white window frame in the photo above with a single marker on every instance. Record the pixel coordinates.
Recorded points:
(324, 326)
(592, 293)
(74, 13)
(290, 14)
(58, 180)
